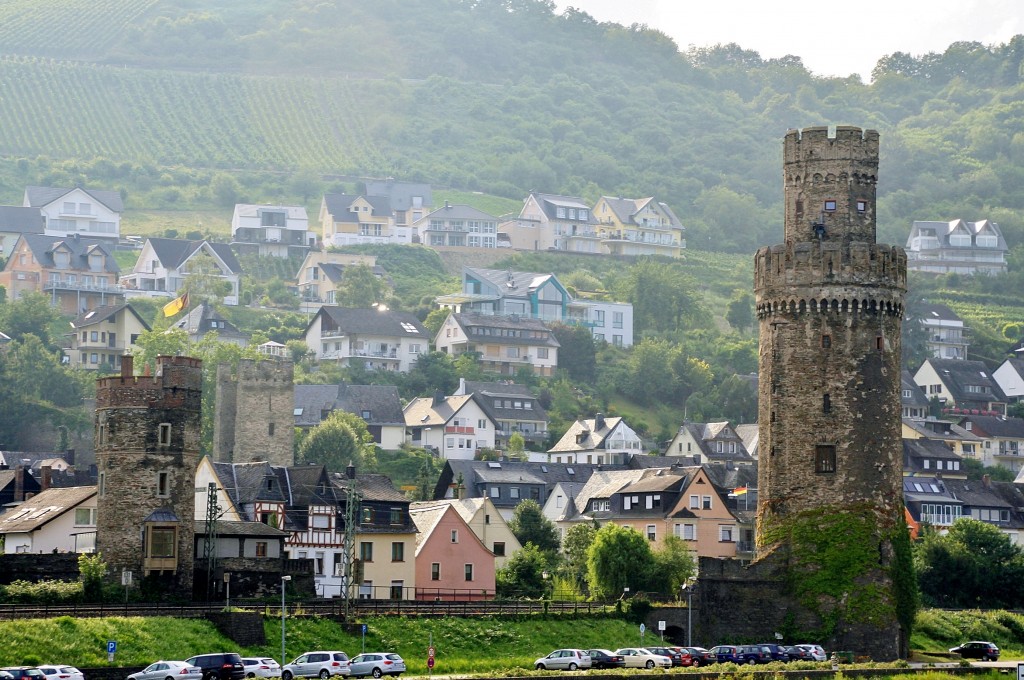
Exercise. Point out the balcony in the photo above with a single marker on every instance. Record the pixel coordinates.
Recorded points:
(939, 519)
(58, 285)
(459, 429)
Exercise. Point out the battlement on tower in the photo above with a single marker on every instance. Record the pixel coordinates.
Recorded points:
(829, 263)
(178, 383)
(849, 143)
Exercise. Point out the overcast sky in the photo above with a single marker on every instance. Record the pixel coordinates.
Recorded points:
(833, 39)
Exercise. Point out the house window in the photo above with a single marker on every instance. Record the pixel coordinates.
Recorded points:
(512, 352)
(499, 549)
(652, 532)
(825, 458)
(435, 571)
(687, 532)
(398, 551)
(396, 589)
(862, 206)
(725, 533)
(469, 572)
(694, 502)
(366, 551)
(163, 484)
(367, 516)
(706, 502)
(320, 521)
(102, 434)
(85, 517)
(481, 424)
(455, 535)
(514, 492)
(542, 352)
(261, 548)
(165, 434)
(161, 542)
(495, 492)
(396, 516)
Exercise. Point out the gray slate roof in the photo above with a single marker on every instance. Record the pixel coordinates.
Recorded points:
(173, 252)
(231, 528)
(469, 322)
(42, 196)
(459, 212)
(101, 314)
(42, 247)
(476, 472)
(1006, 427)
(197, 322)
(917, 450)
(18, 220)
(374, 322)
(918, 398)
(400, 193)
(625, 209)
(489, 393)
(957, 374)
(585, 435)
(338, 206)
(938, 312)
(550, 203)
(382, 401)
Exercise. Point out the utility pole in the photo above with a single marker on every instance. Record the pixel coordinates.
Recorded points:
(352, 502)
(210, 542)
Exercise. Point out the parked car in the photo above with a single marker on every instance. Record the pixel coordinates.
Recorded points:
(697, 656)
(985, 651)
(677, 658)
(636, 657)
(219, 665)
(319, 664)
(817, 652)
(564, 660)
(261, 667)
(4, 675)
(777, 652)
(796, 653)
(725, 653)
(376, 664)
(61, 672)
(603, 658)
(168, 670)
(24, 672)
(753, 654)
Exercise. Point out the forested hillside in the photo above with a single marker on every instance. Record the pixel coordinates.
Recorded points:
(160, 97)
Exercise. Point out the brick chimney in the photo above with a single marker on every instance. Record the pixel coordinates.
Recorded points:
(46, 477)
(986, 480)
(19, 483)
(127, 366)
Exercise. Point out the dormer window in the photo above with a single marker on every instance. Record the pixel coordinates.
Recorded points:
(61, 259)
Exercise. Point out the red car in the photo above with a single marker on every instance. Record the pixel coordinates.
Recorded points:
(697, 656)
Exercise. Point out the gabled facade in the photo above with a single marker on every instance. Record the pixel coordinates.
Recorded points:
(956, 247)
(1003, 439)
(379, 405)
(15, 221)
(483, 518)
(348, 219)
(597, 440)
(274, 230)
(961, 384)
(551, 222)
(204, 319)
(511, 407)
(452, 427)
(457, 226)
(101, 336)
(503, 344)
(913, 402)
(165, 263)
(90, 213)
(1010, 377)
(53, 520)
(379, 339)
(77, 274)
(709, 442)
(409, 200)
(321, 271)
(451, 562)
(638, 226)
(947, 335)
(506, 293)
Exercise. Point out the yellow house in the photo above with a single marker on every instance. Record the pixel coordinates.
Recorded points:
(347, 219)
(101, 336)
(963, 442)
(638, 226)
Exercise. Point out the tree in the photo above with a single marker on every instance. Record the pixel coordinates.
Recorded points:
(674, 564)
(577, 353)
(339, 439)
(523, 574)
(30, 313)
(740, 312)
(578, 539)
(516, 445)
(360, 287)
(531, 526)
(619, 558)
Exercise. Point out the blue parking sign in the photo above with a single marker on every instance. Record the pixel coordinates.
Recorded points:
(111, 646)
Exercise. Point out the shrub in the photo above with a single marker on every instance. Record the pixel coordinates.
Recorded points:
(43, 592)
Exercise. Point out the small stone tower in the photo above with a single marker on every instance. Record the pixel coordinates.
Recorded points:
(147, 433)
(254, 416)
(829, 302)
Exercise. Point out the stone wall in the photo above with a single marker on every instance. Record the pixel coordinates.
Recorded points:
(245, 628)
(38, 567)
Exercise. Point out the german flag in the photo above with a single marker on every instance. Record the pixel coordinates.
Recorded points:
(176, 305)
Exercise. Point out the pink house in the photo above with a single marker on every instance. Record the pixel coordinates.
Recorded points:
(451, 562)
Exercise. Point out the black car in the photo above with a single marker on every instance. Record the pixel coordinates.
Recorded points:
(219, 666)
(602, 658)
(778, 652)
(752, 654)
(674, 654)
(797, 653)
(985, 651)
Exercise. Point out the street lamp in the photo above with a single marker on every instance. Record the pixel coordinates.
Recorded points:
(284, 582)
(688, 588)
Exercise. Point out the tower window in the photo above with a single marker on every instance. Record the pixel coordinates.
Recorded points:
(830, 206)
(163, 484)
(879, 343)
(862, 206)
(826, 404)
(270, 429)
(102, 434)
(799, 207)
(165, 434)
(825, 458)
(826, 341)
(102, 484)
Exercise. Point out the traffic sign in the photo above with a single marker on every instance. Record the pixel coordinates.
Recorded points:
(430, 651)
(364, 629)
(661, 625)
(430, 662)
(643, 628)
(111, 646)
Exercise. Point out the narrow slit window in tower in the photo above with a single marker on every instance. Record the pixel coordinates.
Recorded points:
(825, 458)
(270, 429)
(879, 343)
(165, 434)
(826, 404)
(826, 341)
(163, 484)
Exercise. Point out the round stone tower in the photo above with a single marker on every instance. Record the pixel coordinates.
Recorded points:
(829, 302)
(147, 433)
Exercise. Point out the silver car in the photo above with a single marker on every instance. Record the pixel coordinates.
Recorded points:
(61, 672)
(168, 670)
(564, 660)
(376, 664)
(261, 667)
(316, 665)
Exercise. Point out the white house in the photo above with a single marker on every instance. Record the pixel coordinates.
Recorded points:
(379, 338)
(597, 440)
(87, 212)
(947, 336)
(956, 247)
(54, 520)
(504, 344)
(277, 230)
(458, 226)
(609, 321)
(165, 263)
(1010, 377)
(455, 427)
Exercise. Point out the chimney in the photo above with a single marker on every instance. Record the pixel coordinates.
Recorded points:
(447, 204)
(462, 385)
(69, 456)
(46, 476)
(599, 422)
(350, 471)
(19, 483)
(127, 366)
(438, 398)
(986, 480)
(461, 492)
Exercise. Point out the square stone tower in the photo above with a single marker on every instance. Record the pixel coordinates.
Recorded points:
(147, 431)
(254, 416)
(829, 302)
